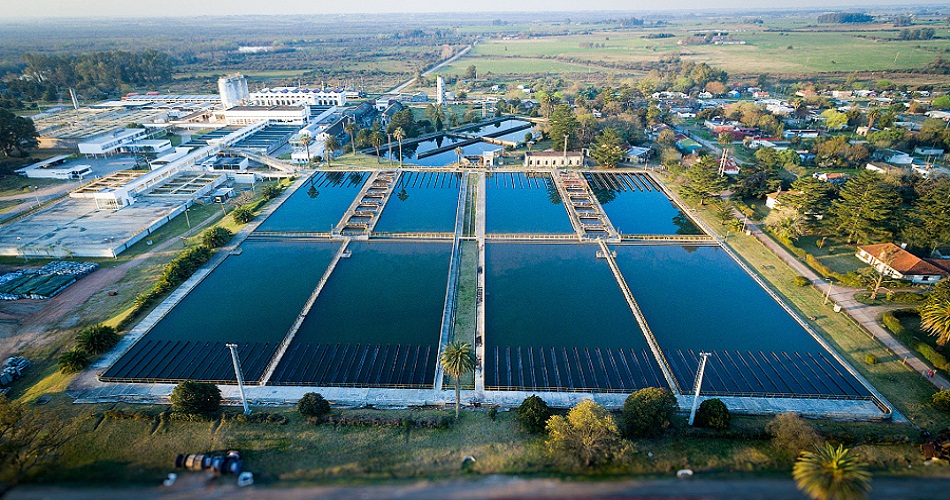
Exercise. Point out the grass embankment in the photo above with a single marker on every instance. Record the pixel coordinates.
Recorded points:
(906, 389)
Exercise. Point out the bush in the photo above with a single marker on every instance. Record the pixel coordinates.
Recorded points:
(533, 414)
(196, 398)
(493, 413)
(941, 400)
(818, 266)
(904, 297)
(792, 433)
(73, 361)
(588, 434)
(215, 237)
(96, 339)
(242, 214)
(648, 412)
(870, 359)
(312, 405)
(802, 281)
(713, 414)
(444, 422)
(892, 323)
(270, 192)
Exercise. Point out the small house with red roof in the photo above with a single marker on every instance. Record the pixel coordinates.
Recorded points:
(896, 262)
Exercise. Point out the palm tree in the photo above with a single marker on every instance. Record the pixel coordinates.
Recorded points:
(873, 114)
(458, 152)
(330, 144)
(399, 134)
(350, 128)
(376, 138)
(306, 140)
(457, 359)
(935, 318)
(830, 473)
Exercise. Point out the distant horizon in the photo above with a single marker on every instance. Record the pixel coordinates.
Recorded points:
(115, 9)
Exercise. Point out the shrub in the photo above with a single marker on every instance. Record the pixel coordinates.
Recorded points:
(493, 413)
(818, 266)
(792, 433)
(73, 361)
(270, 192)
(96, 339)
(802, 281)
(892, 323)
(870, 359)
(215, 237)
(648, 412)
(588, 434)
(312, 405)
(941, 400)
(242, 214)
(713, 414)
(533, 414)
(195, 398)
(905, 297)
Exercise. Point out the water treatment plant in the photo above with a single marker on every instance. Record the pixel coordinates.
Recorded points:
(569, 284)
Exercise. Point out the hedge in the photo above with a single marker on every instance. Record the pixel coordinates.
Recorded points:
(926, 350)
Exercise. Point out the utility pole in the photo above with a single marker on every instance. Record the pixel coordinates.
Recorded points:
(697, 385)
(239, 375)
(827, 292)
(565, 149)
(188, 220)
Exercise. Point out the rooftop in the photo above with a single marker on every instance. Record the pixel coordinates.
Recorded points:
(905, 262)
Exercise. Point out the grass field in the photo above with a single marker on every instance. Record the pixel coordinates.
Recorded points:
(795, 52)
(518, 65)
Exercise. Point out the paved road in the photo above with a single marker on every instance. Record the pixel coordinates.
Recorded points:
(192, 485)
(867, 316)
(450, 60)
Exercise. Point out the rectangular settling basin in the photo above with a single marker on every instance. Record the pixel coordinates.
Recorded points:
(636, 205)
(556, 320)
(377, 321)
(699, 299)
(250, 299)
(422, 202)
(318, 205)
(524, 203)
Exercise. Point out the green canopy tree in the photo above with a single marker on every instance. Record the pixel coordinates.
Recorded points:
(330, 145)
(399, 134)
(703, 180)
(935, 312)
(562, 125)
(16, 132)
(608, 150)
(830, 473)
(351, 129)
(306, 140)
(457, 359)
(928, 222)
(588, 434)
(865, 209)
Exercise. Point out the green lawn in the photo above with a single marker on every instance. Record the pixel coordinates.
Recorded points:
(836, 254)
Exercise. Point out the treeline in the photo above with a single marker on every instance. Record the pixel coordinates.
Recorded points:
(105, 71)
(918, 34)
(845, 17)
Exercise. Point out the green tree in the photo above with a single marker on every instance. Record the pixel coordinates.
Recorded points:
(786, 222)
(703, 180)
(195, 398)
(724, 139)
(935, 312)
(457, 359)
(834, 120)
(330, 145)
(97, 339)
(562, 125)
(830, 473)
(351, 129)
(608, 150)
(73, 361)
(399, 134)
(16, 132)
(648, 412)
(942, 102)
(928, 222)
(533, 414)
(471, 72)
(588, 434)
(30, 437)
(242, 214)
(376, 138)
(215, 237)
(312, 405)
(865, 209)
(713, 414)
(270, 192)
(811, 198)
(306, 140)
(724, 212)
(941, 400)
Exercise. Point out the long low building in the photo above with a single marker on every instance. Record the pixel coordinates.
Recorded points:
(247, 115)
(288, 96)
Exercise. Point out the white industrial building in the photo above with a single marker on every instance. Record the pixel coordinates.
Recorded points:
(247, 115)
(112, 142)
(289, 96)
(233, 90)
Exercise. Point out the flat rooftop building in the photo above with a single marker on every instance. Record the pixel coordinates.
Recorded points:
(287, 96)
(246, 115)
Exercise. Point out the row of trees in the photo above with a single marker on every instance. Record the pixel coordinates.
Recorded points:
(107, 72)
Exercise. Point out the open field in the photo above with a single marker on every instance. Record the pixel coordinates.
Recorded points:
(765, 52)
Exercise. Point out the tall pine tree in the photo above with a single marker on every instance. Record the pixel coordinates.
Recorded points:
(866, 208)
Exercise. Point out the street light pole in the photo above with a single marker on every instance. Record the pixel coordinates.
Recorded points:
(698, 384)
(827, 292)
(240, 376)
(188, 220)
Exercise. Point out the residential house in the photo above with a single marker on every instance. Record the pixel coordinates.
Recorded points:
(774, 200)
(896, 262)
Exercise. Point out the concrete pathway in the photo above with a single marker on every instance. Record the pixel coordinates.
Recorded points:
(866, 316)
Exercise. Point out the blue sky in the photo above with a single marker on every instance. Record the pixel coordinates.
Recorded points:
(184, 8)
